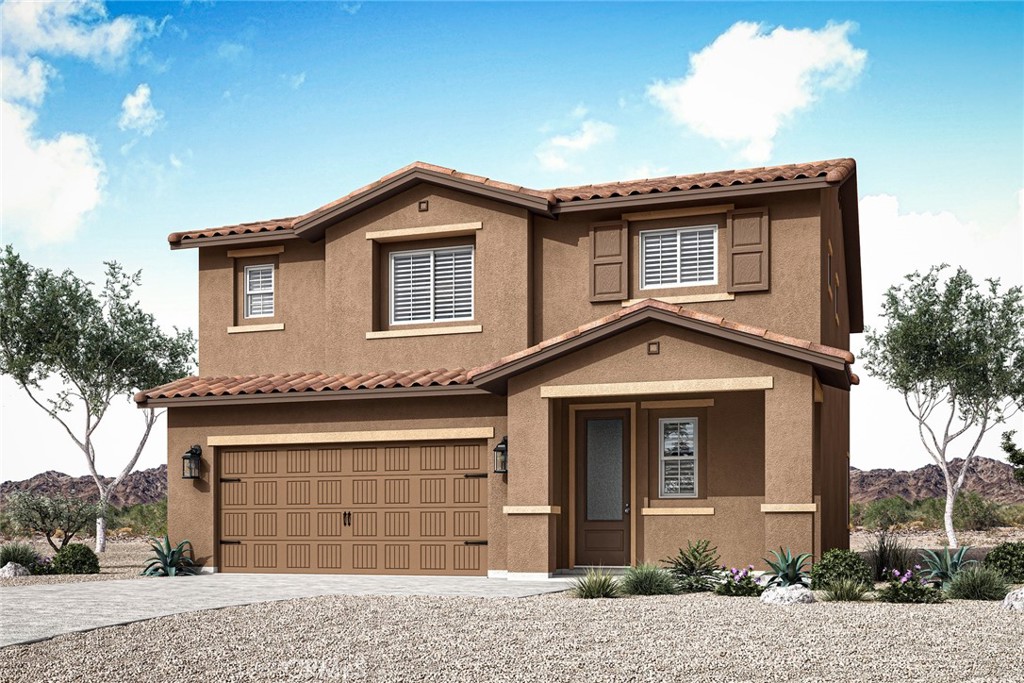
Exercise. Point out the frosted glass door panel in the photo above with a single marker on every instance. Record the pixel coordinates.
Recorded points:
(604, 469)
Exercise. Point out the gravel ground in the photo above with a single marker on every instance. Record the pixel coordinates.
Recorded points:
(545, 638)
(123, 559)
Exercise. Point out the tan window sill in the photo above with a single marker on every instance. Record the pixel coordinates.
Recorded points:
(532, 510)
(270, 327)
(677, 512)
(685, 299)
(425, 332)
(789, 507)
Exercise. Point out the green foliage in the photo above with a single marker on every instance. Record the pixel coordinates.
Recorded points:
(886, 513)
(972, 512)
(907, 587)
(168, 561)
(596, 583)
(648, 579)
(146, 519)
(32, 513)
(1008, 559)
(20, 553)
(844, 589)
(978, 583)
(836, 565)
(943, 568)
(888, 552)
(694, 568)
(787, 569)
(856, 514)
(1013, 454)
(76, 558)
(739, 583)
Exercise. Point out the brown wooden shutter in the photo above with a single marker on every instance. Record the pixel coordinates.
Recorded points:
(748, 246)
(609, 272)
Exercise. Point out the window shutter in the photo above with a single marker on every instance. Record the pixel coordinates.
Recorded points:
(411, 293)
(748, 244)
(608, 271)
(453, 284)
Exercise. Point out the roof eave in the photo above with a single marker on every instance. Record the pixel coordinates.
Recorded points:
(241, 238)
(308, 396)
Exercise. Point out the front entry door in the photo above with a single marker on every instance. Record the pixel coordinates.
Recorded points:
(602, 488)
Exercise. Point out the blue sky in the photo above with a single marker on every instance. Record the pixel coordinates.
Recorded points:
(189, 115)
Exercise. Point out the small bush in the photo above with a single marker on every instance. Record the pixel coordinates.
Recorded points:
(886, 513)
(787, 569)
(907, 587)
(1012, 515)
(21, 553)
(694, 568)
(739, 583)
(143, 519)
(889, 552)
(596, 583)
(648, 579)
(844, 589)
(974, 513)
(1008, 559)
(978, 583)
(55, 517)
(943, 568)
(170, 561)
(76, 558)
(856, 514)
(839, 564)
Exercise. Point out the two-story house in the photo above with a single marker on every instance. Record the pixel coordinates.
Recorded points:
(444, 374)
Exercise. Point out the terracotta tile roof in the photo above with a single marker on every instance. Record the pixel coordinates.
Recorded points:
(832, 171)
(298, 382)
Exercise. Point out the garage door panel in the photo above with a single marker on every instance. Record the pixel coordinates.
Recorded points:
(374, 524)
(371, 557)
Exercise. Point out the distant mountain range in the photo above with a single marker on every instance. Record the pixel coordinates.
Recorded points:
(992, 479)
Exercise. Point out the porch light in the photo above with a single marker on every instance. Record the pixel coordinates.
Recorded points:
(190, 462)
(501, 456)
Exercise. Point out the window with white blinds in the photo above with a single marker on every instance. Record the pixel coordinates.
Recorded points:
(259, 291)
(678, 457)
(432, 285)
(679, 257)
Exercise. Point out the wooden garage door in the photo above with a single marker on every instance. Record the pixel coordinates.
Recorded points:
(363, 509)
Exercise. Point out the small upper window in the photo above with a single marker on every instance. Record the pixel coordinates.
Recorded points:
(678, 457)
(679, 257)
(259, 291)
(432, 285)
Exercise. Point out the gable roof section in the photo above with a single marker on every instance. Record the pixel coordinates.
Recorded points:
(832, 364)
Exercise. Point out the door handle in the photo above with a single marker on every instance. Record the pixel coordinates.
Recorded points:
(627, 508)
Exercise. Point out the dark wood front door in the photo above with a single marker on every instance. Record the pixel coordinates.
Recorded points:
(602, 488)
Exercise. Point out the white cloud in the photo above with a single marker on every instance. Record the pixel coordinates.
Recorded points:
(351, 8)
(645, 170)
(742, 88)
(556, 152)
(232, 51)
(138, 113)
(294, 81)
(24, 79)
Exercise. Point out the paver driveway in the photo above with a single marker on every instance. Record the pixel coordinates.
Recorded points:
(45, 611)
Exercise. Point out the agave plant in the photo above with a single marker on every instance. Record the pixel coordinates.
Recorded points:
(168, 561)
(788, 570)
(942, 569)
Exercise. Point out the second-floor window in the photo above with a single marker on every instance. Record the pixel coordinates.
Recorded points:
(259, 291)
(679, 257)
(432, 285)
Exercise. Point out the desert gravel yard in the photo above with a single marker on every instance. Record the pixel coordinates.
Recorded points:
(544, 638)
(123, 559)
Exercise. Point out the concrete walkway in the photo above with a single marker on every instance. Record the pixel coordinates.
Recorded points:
(46, 610)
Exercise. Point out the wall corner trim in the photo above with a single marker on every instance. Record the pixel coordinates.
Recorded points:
(424, 332)
(270, 327)
(532, 510)
(676, 512)
(256, 251)
(431, 231)
(789, 507)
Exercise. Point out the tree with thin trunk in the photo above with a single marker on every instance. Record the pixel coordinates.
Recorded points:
(100, 346)
(955, 352)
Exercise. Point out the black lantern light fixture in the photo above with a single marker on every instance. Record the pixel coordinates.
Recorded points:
(501, 456)
(190, 462)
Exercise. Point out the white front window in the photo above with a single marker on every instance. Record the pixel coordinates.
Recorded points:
(259, 291)
(432, 285)
(679, 257)
(678, 457)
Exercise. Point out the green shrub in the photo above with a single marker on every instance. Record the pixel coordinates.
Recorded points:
(76, 558)
(978, 583)
(694, 568)
(21, 553)
(837, 564)
(52, 516)
(1008, 559)
(168, 561)
(930, 512)
(596, 583)
(844, 589)
(856, 514)
(1012, 515)
(943, 568)
(787, 569)
(739, 583)
(886, 513)
(974, 513)
(144, 519)
(648, 579)
(906, 587)
(889, 552)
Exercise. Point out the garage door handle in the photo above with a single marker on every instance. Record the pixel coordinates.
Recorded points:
(231, 543)
(474, 543)
(477, 475)
(229, 481)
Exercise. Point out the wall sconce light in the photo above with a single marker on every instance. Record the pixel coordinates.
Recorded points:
(501, 456)
(190, 462)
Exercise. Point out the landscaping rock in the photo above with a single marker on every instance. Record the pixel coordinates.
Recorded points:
(787, 595)
(1015, 600)
(12, 570)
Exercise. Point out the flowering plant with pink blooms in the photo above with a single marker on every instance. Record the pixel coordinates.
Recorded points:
(739, 582)
(909, 586)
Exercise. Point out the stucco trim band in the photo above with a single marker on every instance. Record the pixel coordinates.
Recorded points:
(532, 510)
(425, 332)
(789, 507)
(400, 234)
(677, 213)
(685, 299)
(684, 386)
(676, 512)
(454, 434)
(270, 327)
(256, 251)
(683, 403)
